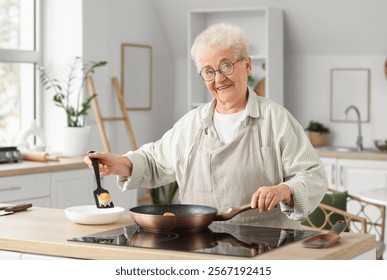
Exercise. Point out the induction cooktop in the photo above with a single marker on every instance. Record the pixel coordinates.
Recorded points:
(218, 238)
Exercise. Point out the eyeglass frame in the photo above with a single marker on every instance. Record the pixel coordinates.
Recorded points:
(233, 68)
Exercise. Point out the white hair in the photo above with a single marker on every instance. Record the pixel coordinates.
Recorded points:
(221, 35)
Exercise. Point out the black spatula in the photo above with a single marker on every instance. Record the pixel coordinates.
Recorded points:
(101, 196)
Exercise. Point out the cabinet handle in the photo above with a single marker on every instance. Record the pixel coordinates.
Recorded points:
(333, 174)
(341, 176)
(10, 189)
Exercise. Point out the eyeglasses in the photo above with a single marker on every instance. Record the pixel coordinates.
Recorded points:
(226, 68)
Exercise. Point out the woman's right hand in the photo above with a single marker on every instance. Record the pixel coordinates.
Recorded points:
(110, 164)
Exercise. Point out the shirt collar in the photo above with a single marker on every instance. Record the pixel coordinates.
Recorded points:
(252, 108)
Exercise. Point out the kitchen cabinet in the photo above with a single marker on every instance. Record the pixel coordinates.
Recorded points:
(76, 187)
(25, 256)
(355, 175)
(61, 184)
(263, 27)
(52, 189)
(9, 255)
(126, 199)
(71, 188)
(33, 188)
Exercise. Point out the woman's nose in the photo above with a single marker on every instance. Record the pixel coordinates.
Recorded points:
(219, 76)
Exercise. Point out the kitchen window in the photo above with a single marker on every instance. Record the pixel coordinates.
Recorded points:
(19, 53)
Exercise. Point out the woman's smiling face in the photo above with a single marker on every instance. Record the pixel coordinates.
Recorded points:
(229, 91)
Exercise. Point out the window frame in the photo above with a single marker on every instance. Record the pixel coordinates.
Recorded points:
(30, 56)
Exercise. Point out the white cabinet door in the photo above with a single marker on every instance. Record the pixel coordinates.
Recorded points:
(25, 256)
(61, 189)
(9, 255)
(71, 188)
(330, 165)
(125, 199)
(355, 175)
(34, 188)
(359, 175)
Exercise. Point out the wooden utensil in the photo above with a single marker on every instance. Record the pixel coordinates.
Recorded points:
(15, 208)
(324, 240)
(101, 196)
(38, 156)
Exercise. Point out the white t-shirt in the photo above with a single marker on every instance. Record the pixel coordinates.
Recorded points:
(228, 125)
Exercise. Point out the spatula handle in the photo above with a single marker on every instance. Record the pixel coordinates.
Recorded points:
(95, 162)
(339, 226)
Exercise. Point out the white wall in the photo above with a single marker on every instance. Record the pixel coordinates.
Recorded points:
(307, 87)
(96, 30)
(62, 31)
(351, 36)
(106, 25)
(319, 35)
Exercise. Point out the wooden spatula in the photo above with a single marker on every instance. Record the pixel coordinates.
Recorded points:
(324, 240)
(101, 196)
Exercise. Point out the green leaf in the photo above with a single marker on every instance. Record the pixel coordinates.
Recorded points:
(62, 89)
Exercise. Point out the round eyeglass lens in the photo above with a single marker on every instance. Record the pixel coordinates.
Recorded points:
(208, 73)
(226, 68)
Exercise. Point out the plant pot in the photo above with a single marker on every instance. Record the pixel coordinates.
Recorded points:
(318, 139)
(76, 140)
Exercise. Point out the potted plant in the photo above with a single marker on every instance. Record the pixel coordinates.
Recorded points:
(68, 95)
(318, 133)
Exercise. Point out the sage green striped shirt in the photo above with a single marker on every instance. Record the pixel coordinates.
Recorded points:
(287, 155)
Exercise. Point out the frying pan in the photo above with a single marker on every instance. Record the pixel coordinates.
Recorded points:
(187, 217)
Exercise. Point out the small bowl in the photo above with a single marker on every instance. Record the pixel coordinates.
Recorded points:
(91, 215)
(381, 145)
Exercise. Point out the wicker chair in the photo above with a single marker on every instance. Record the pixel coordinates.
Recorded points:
(360, 221)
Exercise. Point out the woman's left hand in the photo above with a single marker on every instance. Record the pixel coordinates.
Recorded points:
(267, 197)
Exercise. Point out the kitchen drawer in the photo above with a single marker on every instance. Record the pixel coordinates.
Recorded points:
(17, 188)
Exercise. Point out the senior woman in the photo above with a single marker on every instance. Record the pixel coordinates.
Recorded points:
(240, 148)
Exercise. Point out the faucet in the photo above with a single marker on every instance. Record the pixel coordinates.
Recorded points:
(359, 140)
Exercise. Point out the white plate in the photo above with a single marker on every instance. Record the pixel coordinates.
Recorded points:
(91, 215)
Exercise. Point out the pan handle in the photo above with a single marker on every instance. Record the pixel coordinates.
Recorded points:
(232, 212)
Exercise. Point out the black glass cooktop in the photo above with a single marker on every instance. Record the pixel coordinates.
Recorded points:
(218, 238)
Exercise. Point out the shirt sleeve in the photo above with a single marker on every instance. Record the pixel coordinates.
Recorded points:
(302, 169)
(160, 163)
(152, 164)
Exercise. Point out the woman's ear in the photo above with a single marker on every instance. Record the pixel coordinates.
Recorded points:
(248, 65)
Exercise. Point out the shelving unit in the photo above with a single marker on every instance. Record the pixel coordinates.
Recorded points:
(264, 28)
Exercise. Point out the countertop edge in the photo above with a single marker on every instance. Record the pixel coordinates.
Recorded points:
(49, 231)
(352, 155)
(32, 167)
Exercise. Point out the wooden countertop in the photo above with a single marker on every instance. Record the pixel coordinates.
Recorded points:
(30, 167)
(368, 154)
(69, 163)
(46, 231)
